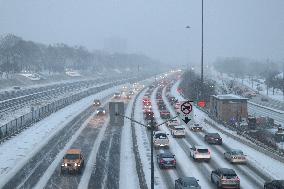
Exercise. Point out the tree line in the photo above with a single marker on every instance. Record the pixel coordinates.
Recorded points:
(18, 55)
(193, 88)
(243, 67)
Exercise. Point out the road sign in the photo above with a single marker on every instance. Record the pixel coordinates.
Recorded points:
(116, 108)
(186, 111)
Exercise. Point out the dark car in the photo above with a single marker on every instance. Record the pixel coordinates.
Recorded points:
(166, 160)
(225, 178)
(149, 122)
(101, 111)
(274, 184)
(213, 138)
(148, 115)
(117, 95)
(187, 182)
(164, 114)
(162, 107)
(97, 102)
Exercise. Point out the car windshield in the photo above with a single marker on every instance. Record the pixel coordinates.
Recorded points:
(179, 128)
(161, 136)
(72, 156)
(230, 176)
(215, 135)
(237, 152)
(167, 156)
(191, 183)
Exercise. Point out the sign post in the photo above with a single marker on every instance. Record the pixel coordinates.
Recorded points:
(185, 111)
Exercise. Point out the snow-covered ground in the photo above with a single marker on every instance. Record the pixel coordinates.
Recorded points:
(278, 95)
(263, 162)
(127, 159)
(16, 151)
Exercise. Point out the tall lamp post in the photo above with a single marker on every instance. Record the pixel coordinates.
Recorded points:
(201, 87)
(188, 66)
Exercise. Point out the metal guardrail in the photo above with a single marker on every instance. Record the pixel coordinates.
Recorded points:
(17, 125)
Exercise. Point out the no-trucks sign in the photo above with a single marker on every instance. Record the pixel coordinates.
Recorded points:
(185, 111)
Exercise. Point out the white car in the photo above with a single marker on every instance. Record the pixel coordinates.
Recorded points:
(160, 139)
(235, 156)
(178, 131)
(196, 127)
(200, 153)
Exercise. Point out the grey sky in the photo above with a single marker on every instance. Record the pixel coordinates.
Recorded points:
(248, 28)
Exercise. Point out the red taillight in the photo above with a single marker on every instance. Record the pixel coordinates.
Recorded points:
(174, 161)
(209, 152)
(162, 161)
(238, 179)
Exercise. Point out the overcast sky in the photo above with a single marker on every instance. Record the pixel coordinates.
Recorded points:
(247, 28)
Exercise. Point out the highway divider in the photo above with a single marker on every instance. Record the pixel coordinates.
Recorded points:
(17, 125)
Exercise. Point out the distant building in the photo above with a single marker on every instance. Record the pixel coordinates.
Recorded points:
(229, 108)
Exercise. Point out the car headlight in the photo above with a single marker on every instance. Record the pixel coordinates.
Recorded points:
(104, 112)
(75, 164)
(65, 164)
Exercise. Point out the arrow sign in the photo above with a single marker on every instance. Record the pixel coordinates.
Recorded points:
(186, 120)
(185, 111)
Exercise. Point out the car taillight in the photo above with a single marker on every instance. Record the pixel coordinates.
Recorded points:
(195, 152)
(174, 161)
(238, 179)
(209, 152)
(162, 161)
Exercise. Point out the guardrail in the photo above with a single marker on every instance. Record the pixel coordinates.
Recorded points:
(17, 125)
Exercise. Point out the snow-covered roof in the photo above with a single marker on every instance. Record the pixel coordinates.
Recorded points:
(229, 97)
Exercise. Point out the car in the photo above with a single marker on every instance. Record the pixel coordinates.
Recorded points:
(235, 156)
(149, 122)
(147, 106)
(148, 115)
(187, 183)
(213, 138)
(131, 93)
(17, 87)
(162, 107)
(164, 114)
(172, 123)
(177, 106)
(101, 111)
(225, 178)
(274, 184)
(117, 95)
(160, 139)
(178, 131)
(196, 127)
(128, 96)
(166, 160)
(73, 161)
(200, 153)
(97, 102)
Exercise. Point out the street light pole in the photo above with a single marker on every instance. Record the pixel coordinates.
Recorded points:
(201, 87)
(152, 153)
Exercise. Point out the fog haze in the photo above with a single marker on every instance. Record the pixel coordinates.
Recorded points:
(156, 28)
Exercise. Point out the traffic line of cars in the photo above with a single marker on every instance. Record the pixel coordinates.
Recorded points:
(223, 177)
(74, 161)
